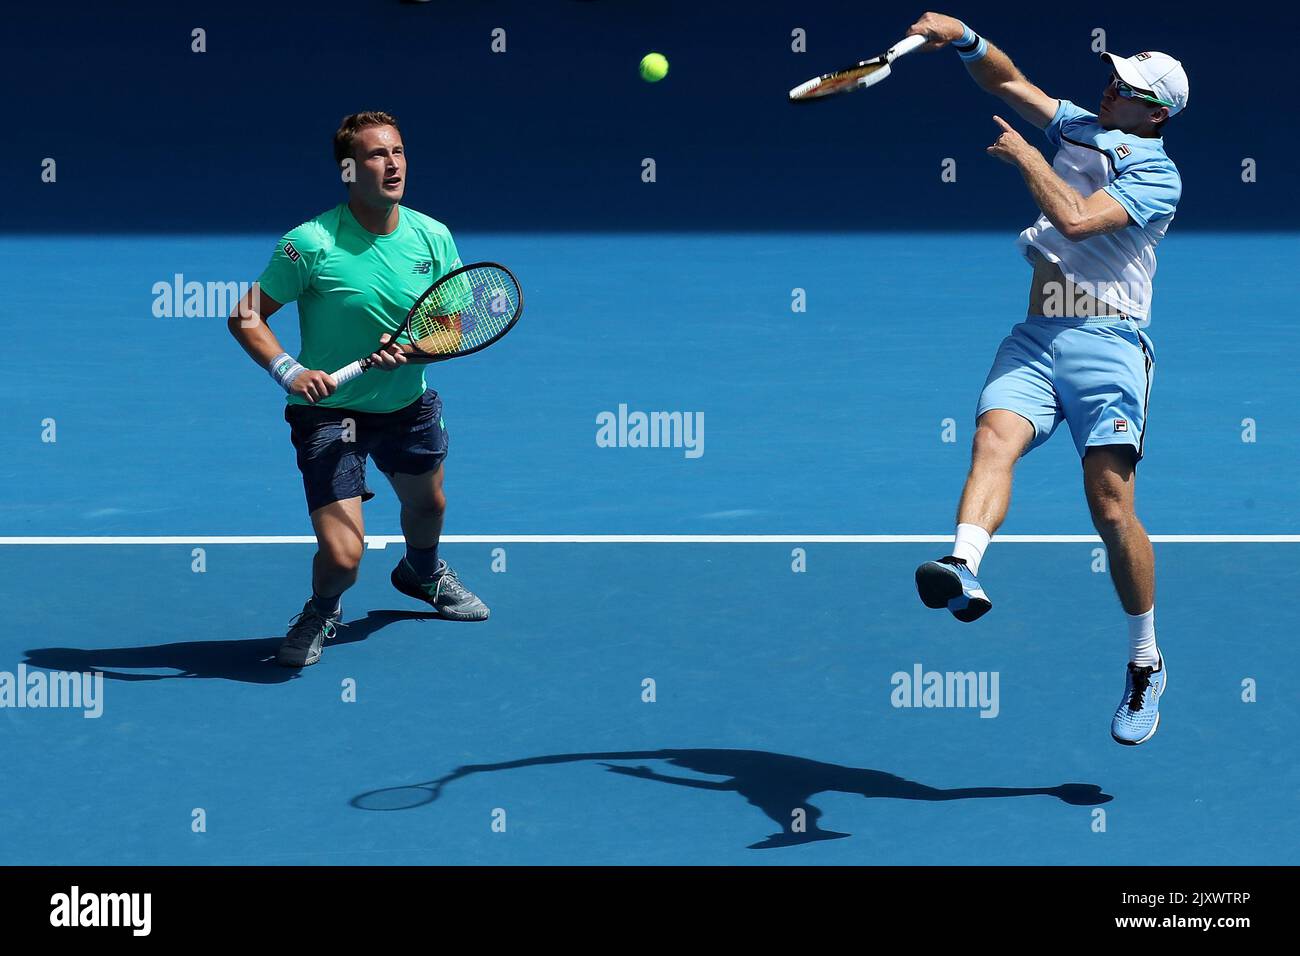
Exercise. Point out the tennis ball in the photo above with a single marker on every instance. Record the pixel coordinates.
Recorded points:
(654, 67)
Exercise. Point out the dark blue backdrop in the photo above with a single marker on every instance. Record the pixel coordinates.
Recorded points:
(550, 135)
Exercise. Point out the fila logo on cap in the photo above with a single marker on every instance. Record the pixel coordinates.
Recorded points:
(1121, 425)
(1142, 56)
(291, 252)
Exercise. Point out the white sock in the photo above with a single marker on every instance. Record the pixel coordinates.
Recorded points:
(969, 545)
(1142, 639)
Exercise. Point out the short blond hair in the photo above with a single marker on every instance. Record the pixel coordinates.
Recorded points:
(350, 126)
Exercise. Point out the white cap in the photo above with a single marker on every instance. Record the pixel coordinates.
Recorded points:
(1156, 74)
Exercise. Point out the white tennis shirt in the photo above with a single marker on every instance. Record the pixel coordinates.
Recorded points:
(1118, 267)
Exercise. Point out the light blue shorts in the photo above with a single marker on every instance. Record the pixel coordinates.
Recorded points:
(1095, 377)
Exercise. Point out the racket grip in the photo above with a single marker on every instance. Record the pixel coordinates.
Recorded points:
(905, 46)
(348, 372)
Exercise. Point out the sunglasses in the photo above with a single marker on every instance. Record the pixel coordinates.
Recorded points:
(1129, 93)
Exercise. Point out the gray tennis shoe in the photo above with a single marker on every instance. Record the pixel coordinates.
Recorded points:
(307, 635)
(444, 592)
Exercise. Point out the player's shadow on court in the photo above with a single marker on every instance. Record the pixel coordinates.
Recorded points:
(777, 784)
(249, 660)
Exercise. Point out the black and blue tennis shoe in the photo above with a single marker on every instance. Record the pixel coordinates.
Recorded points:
(1138, 714)
(949, 583)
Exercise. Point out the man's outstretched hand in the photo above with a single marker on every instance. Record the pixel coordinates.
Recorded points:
(939, 28)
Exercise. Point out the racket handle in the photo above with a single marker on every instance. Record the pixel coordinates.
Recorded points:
(349, 372)
(905, 46)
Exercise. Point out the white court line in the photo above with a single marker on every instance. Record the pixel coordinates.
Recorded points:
(380, 541)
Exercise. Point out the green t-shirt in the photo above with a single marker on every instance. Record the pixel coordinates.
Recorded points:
(352, 286)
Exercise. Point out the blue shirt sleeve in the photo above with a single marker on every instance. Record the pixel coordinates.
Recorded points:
(1067, 114)
(1147, 190)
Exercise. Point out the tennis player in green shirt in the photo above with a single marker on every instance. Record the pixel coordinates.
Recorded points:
(355, 271)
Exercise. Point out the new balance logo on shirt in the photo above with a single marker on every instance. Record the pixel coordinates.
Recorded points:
(422, 268)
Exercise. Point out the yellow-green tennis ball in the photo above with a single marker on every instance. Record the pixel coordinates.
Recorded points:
(654, 67)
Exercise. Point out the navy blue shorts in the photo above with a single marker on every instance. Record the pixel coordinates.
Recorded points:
(333, 444)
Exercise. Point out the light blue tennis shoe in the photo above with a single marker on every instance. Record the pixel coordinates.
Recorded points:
(949, 583)
(1138, 715)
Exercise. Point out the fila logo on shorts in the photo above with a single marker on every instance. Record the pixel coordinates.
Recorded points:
(291, 252)
(1121, 425)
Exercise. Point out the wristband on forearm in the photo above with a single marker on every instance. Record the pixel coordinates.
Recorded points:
(284, 368)
(970, 46)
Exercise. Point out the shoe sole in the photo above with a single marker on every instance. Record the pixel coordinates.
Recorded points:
(421, 596)
(1154, 727)
(942, 589)
(307, 663)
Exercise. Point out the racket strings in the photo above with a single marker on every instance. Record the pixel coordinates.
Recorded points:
(467, 311)
(846, 78)
(838, 81)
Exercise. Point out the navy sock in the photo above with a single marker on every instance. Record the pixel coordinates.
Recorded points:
(326, 606)
(424, 561)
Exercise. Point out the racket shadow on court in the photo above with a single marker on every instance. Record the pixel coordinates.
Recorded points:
(777, 784)
(248, 660)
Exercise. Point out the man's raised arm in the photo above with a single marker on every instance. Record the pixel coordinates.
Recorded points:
(988, 66)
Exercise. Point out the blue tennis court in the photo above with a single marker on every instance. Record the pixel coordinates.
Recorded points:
(171, 489)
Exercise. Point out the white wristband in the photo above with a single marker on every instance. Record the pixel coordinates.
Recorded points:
(284, 368)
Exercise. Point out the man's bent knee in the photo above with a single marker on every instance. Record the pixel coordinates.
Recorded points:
(1112, 509)
(342, 555)
(1001, 438)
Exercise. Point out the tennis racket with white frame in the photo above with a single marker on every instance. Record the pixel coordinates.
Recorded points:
(856, 77)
